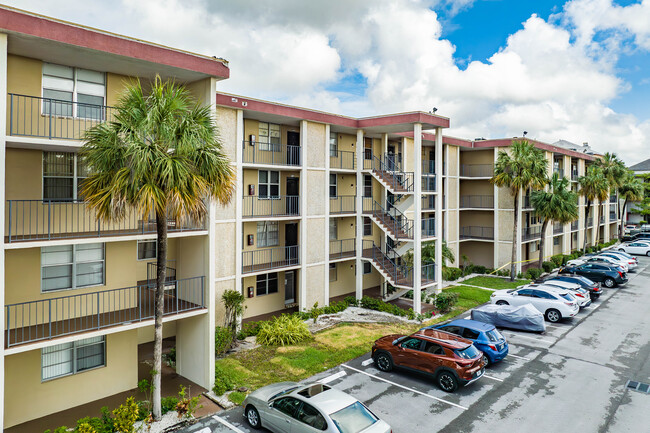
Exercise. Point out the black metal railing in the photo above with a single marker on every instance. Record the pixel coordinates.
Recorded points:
(35, 220)
(397, 180)
(279, 206)
(574, 226)
(428, 227)
(559, 171)
(33, 116)
(574, 175)
(270, 258)
(476, 232)
(477, 170)
(590, 222)
(529, 233)
(602, 219)
(612, 216)
(395, 221)
(152, 271)
(393, 161)
(46, 319)
(558, 229)
(343, 204)
(428, 202)
(428, 183)
(477, 201)
(342, 248)
(428, 167)
(257, 152)
(342, 159)
(613, 199)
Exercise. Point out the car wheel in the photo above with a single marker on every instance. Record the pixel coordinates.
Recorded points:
(447, 381)
(647, 253)
(502, 303)
(253, 417)
(384, 362)
(486, 360)
(609, 282)
(553, 316)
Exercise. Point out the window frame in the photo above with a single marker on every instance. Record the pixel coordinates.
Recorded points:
(267, 243)
(269, 184)
(333, 270)
(369, 266)
(73, 266)
(75, 345)
(334, 145)
(270, 144)
(367, 185)
(75, 92)
(78, 173)
(333, 185)
(367, 224)
(143, 241)
(267, 279)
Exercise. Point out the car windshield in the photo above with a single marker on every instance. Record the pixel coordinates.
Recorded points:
(281, 393)
(468, 353)
(494, 335)
(353, 419)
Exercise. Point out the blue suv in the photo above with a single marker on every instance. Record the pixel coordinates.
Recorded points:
(485, 337)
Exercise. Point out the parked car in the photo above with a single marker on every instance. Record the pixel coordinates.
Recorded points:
(484, 336)
(643, 236)
(451, 360)
(628, 228)
(524, 317)
(632, 262)
(610, 276)
(594, 289)
(608, 261)
(581, 295)
(635, 247)
(292, 407)
(553, 304)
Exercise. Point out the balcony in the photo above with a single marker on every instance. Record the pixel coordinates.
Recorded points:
(574, 176)
(32, 116)
(342, 249)
(343, 204)
(428, 227)
(428, 167)
(476, 232)
(267, 259)
(613, 199)
(342, 160)
(602, 219)
(530, 233)
(45, 319)
(526, 203)
(44, 220)
(558, 229)
(256, 152)
(590, 222)
(280, 206)
(429, 183)
(559, 171)
(429, 202)
(477, 202)
(477, 170)
(612, 216)
(574, 226)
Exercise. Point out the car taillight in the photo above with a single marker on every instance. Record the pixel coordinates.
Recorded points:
(620, 273)
(570, 304)
(580, 294)
(596, 289)
(491, 346)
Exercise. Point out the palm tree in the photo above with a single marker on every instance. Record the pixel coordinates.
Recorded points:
(631, 189)
(524, 167)
(160, 155)
(593, 185)
(429, 254)
(558, 204)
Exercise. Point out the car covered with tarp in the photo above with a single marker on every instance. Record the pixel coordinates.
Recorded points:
(524, 317)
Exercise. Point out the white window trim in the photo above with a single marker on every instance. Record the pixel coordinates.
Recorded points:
(75, 346)
(335, 185)
(137, 250)
(74, 90)
(333, 270)
(266, 225)
(74, 271)
(334, 145)
(75, 177)
(268, 184)
(266, 284)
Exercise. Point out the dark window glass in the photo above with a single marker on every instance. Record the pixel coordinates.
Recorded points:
(525, 292)
(469, 353)
(310, 416)
(433, 348)
(287, 406)
(367, 226)
(470, 334)
(367, 267)
(411, 343)
(452, 329)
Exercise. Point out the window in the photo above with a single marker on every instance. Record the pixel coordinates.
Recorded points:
(333, 274)
(556, 240)
(367, 267)
(72, 266)
(287, 406)
(267, 234)
(469, 334)
(534, 246)
(63, 175)
(452, 329)
(64, 85)
(525, 292)
(267, 284)
(333, 229)
(269, 184)
(333, 192)
(269, 137)
(367, 185)
(367, 148)
(433, 348)
(367, 226)
(147, 249)
(411, 343)
(334, 144)
(310, 416)
(71, 358)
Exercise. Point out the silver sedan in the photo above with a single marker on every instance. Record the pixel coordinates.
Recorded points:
(292, 407)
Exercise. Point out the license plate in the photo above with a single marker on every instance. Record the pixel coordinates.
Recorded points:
(479, 373)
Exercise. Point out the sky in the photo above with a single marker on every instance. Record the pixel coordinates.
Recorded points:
(577, 70)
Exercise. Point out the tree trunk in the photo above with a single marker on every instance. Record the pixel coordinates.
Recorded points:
(597, 223)
(621, 212)
(584, 241)
(513, 259)
(161, 227)
(541, 244)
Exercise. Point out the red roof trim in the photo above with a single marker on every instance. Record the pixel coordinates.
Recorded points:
(504, 142)
(72, 34)
(445, 139)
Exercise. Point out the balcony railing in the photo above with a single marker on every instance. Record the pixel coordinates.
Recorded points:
(270, 258)
(257, 152)
(590, 222)
(37, 220)
(613, 199)
(526, 203)
(429, 202)
(574, 226)
(428, 227)
(612, 216)
(477, 170)
(280, 206)
(342, 248)
(429, 183)
(559, 171)
(558, 229)
(33, 116)
(428, 167)
(343, 204)
(529, 233)
(477, 232)
(602, 219)
(342, 159)
(45, 319)
(170, 271)
(574, 175)
(477, 201)
(389, 172)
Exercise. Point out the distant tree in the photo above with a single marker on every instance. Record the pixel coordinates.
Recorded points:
(593, 186)
(631, 190)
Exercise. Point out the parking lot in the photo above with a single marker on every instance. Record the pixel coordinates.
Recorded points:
(572, 377)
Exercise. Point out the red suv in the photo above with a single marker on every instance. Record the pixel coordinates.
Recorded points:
(451, 360)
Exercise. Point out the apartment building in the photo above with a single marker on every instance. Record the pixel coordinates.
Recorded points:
(76, 298)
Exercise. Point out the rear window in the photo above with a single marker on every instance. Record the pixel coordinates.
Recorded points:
(494, 335)
(469, 353)
(567, 297)
(353, 418)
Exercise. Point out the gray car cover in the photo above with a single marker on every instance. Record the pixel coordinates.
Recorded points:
(524, 317)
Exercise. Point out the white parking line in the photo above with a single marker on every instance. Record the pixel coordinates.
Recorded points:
(493, 378)
(205, 430)
(405, 387)
(531, 338)
(367, 362)
(328, 379)
(518, 357)
(227, 424)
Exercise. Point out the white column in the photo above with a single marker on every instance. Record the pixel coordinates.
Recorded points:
(444, 178)
(384, 199)
(359, 211)
(417, 217)
(239, 225)
(518, 237)
(302, 299)
(326, 288)
(495, 230)
(3, 142)
(438, 210)
(212, 260)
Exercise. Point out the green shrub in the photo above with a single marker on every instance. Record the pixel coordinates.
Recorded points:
(126, 415)
(84, 427)
(445, 301)
(248, 330)
(168, 404)
(186, 405)
(450, 273)
(548, 266)
(222, 340)
(379, 305)
(520, 276)
(479, 269)
(351, 300)
(533, 273)
(283, 330)
(222, 381)
(557, 260)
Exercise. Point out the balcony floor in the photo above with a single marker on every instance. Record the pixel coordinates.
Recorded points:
(88, 234)
(247, 269)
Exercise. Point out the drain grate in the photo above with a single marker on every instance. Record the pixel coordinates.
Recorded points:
(638, 386)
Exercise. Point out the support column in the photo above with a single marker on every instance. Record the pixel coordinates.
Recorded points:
(384, 199)
(444, 178)
(496, 260)
(302, 241)
(518, 237)
(439, 234)
(326, 288)
(359, 211)
(417, 218)
(3, 143)
(239, 194)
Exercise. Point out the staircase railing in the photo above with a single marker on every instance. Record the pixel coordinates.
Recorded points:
(398, 274)
(393, 219)
(396, 179)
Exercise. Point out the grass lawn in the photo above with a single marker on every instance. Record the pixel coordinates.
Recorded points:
(495, 283)
(329, 348)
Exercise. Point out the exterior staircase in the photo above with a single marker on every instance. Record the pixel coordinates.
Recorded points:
(392, 222)
(395, 181)
(400, 276)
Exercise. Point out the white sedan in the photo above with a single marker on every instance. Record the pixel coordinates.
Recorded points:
(608, 260)
(554, 304)
(641, 248)
(581, 295)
